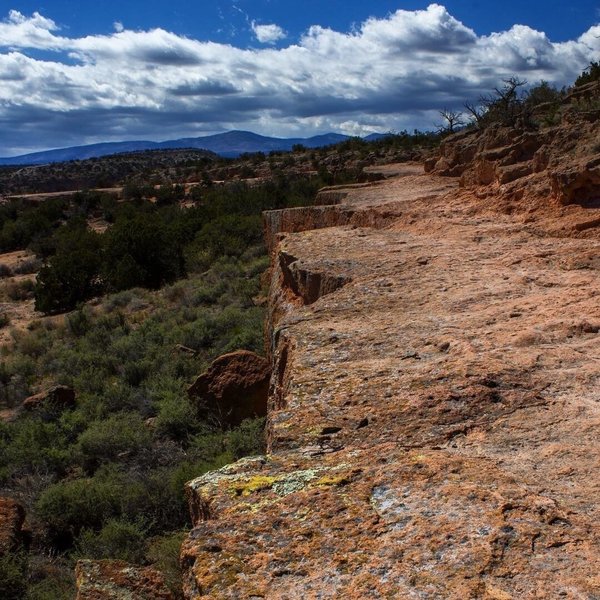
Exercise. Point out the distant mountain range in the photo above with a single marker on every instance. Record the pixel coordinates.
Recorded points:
(230, 144)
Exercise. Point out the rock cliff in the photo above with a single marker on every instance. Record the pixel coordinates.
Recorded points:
(519, 168)
(433, 406)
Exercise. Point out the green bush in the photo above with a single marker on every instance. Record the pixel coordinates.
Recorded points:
(31, 445)
(13, 576)
(591, 73)
(118, 539)
(248, 439)
(141, 252)
(79, 322)
(228, 235)
(71, 275)
(121, 435)
(175, 419)
(67, 507)
(163, 553)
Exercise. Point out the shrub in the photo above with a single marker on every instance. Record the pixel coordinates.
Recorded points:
(119, 300)
(33, 446)
(543, 93)
(505, 105)
(121, 435)
(79, 322)
(118, 539)
(13, 579)
(19, 290)
(176, 419)
(228, 235)
(71, 275)
(248, 439)
(140, 252)
(591, 73)
(28, 266)
(163, 553)
(68, 507)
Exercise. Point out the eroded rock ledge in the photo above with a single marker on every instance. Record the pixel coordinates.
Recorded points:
(433, 409)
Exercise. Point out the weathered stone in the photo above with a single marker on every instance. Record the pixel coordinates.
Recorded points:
(117, 580)
(234, 388)
(56, 397)
(421, 442)
(577, 183)
(553, 164)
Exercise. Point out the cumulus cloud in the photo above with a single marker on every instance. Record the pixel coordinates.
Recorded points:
(268, 34)
(388, 73)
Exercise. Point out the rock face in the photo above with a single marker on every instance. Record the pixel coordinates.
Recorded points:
(560, 164)
(432, 422)
(12, 517)
(116, 580)
(234, 388)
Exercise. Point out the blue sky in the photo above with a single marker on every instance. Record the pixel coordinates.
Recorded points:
(157, 70)
(227, 21)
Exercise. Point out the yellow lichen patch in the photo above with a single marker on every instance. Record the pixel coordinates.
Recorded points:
(255, 507)
(252, 485)
(336, 480)
(419, 457)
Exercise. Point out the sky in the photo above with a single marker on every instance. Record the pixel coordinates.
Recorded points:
(76, 72)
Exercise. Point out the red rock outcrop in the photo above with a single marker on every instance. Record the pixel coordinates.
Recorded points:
(559, 164)
(234, 388)
(12, 517)
(117, 580)
(433, 416)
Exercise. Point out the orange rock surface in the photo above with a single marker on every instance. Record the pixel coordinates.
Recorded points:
(433, 410)
(117, 580)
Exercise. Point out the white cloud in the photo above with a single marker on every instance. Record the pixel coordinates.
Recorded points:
(118, 26)
(389, 74)
(268, 34)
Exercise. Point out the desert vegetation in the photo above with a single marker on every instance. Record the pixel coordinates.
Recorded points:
(140, 174)
(515, 104)
(104, 478)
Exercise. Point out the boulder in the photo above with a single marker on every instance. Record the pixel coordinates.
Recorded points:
(235, 387)
(117, 580)
(56, 397)
(12, 517)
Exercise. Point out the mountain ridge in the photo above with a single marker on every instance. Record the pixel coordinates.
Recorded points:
(229, 144)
